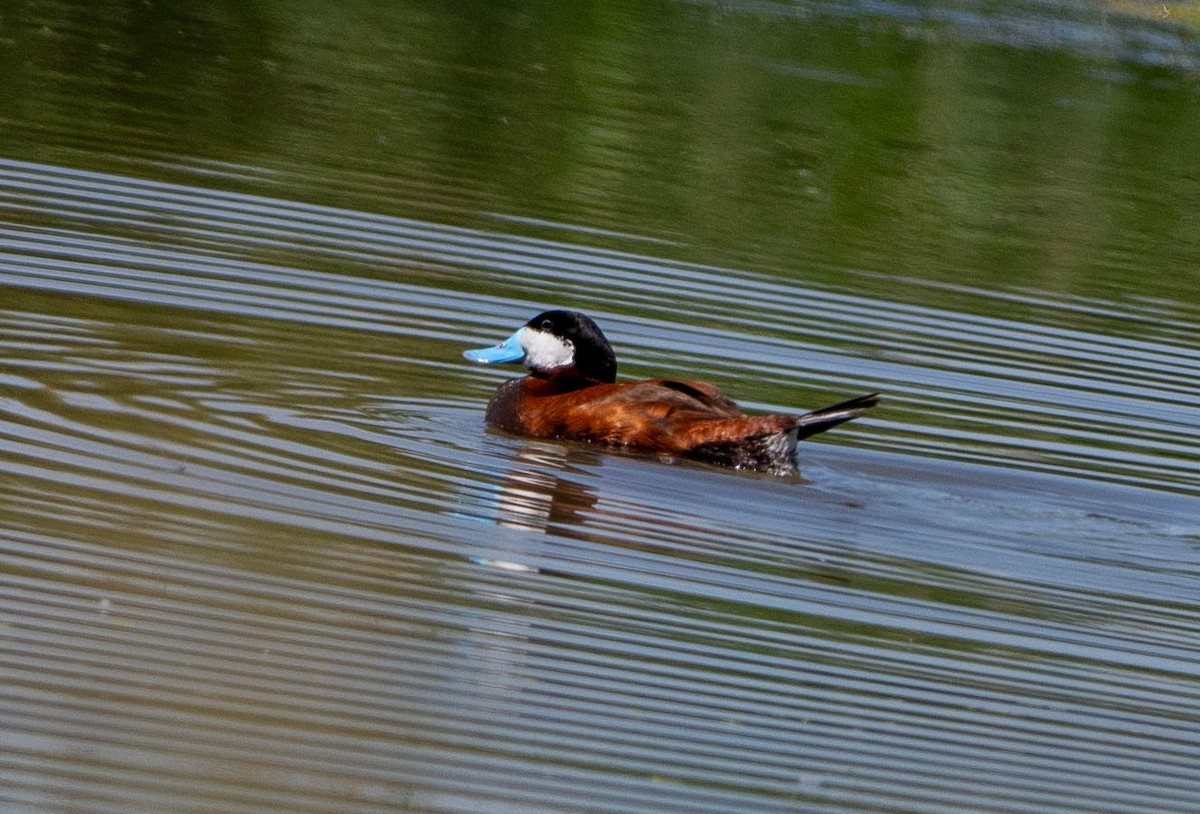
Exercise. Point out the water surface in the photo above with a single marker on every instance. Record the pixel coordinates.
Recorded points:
(259, 552)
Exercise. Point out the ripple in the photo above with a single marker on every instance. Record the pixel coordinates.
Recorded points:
(258, 545)
(960, 386)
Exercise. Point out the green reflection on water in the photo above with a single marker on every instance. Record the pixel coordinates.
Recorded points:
(785, 139)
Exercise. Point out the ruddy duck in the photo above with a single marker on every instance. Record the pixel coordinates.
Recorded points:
(571, 392)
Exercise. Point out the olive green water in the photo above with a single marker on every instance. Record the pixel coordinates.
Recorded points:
(258, 552)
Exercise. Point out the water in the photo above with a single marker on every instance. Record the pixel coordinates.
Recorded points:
(260, 554)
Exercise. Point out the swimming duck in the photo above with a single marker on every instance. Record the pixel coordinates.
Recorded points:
(572, 392)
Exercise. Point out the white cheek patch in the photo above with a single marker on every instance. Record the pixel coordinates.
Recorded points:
(545, 351)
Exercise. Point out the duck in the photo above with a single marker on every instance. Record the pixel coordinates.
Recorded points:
(571, 392)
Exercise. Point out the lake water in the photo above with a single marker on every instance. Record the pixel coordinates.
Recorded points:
(258, 551)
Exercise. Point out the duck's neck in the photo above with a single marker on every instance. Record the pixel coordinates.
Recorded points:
(544, 384)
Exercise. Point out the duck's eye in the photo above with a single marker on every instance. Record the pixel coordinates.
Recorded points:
(547, 325)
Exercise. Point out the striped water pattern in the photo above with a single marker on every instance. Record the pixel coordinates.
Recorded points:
(259, 552)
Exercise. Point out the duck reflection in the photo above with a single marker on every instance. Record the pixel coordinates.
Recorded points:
(535, 496)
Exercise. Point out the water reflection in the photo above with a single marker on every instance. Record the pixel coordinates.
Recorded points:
(270, 490)
(1034, 146)
(535, 493)
(258, 551)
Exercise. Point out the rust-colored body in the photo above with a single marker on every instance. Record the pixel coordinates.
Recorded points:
(685, 419)
(658, 415)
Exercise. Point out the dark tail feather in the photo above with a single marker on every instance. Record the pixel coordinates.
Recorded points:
(827, 417)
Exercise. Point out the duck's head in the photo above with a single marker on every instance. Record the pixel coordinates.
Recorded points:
(555, 343)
